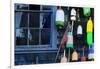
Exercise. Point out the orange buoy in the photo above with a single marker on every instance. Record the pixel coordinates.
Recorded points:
(74, 56)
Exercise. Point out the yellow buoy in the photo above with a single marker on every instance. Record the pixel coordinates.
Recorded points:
(90, 25)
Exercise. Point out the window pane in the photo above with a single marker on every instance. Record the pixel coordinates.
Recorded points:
(46, 7)
(34, 20)
(21, 19)
(21, 36)
(46, 20)
(21, 7)
(35, 37)
(34, 7)
(45, 36)
(24, 20)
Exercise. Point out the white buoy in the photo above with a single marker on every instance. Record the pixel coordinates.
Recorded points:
(73, 14)
(79, 30)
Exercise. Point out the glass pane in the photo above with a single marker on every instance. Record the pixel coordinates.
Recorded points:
(21, 6)
(21, 19)
(21, 36)
(34, 34)
(24, 20)
(34, 7)
(46, 7)
(45, 36)
(34, 20)
(46, 20)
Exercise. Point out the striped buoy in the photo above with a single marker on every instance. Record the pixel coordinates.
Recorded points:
(69, 43)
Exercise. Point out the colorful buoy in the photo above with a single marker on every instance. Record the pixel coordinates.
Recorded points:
(89, 31)
(69, 43)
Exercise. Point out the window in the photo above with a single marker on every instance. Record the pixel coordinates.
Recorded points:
(33, 25)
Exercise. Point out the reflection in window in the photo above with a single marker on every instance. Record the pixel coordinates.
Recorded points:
(21, 19)
(21, 37)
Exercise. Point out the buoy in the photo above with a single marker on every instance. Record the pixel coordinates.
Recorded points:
(73, 14)
(90, 25)
(74, 56)
(79, 30)
(89, 31)
(60, 18)
(69, 43)
(90, 38)
(86, 11)
(64, 58)
(91, 52)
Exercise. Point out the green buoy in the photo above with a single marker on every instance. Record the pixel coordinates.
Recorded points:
(86, 11)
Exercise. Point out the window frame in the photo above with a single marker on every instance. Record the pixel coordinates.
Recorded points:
(28, 13)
